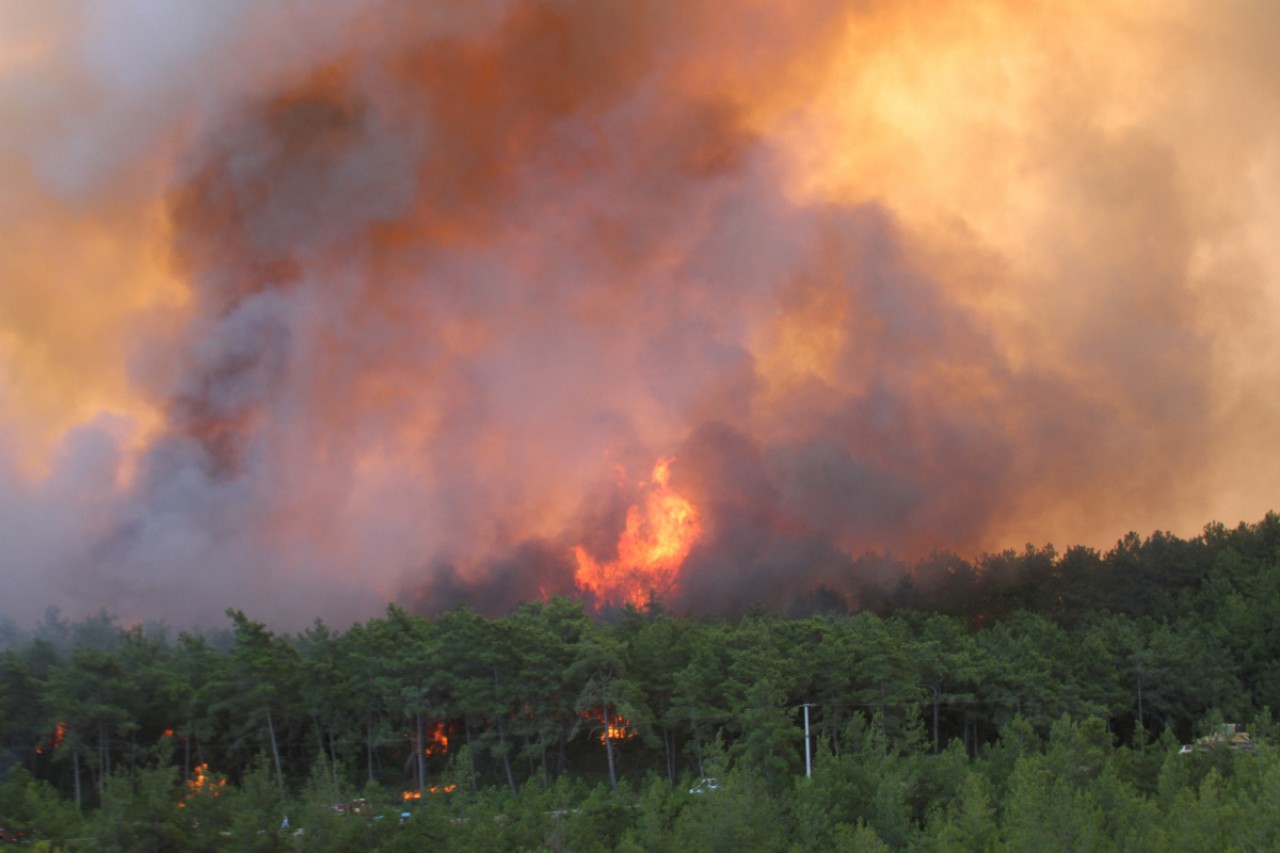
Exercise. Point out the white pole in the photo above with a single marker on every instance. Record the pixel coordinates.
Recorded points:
(808, 762)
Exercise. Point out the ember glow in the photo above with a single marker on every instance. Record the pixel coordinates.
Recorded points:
(651, 548)
(316, 306)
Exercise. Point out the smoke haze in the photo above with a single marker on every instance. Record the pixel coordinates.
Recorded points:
(307, 307)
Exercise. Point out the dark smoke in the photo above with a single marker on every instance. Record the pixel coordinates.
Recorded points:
(442, 269)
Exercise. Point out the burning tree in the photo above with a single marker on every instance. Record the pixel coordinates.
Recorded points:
(605, 686)
(651, 548)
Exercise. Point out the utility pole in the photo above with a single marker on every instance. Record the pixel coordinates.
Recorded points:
(808, 762)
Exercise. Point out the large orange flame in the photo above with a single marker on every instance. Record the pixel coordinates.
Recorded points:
(651, 549)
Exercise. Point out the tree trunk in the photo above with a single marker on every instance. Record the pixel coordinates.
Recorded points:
(562, 759)
(75, 761)
(506, 759)
(884, 728)
(275, 754)
(608, 751)
(104, 759)
(471, 755)
(333, 761)
(1141, 719)
(421, 762)
(320, 753)
(937, 698)
(369, 748)
(669, 741)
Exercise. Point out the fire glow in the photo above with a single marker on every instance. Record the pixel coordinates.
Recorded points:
(410, 796)
(651, 549)
(437, 742)
(55, 740)
(203, 783)
(612, 726)
(333, 307)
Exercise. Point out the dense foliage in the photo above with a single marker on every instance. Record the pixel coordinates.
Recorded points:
(1025, 701)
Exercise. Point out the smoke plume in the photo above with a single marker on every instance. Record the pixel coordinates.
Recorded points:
(307, 307)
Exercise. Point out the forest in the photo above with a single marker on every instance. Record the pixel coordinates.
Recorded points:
(1029, 700)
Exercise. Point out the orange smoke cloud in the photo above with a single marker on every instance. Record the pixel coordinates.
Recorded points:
(327, 306)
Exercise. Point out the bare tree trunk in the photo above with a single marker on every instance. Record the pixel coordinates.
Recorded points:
(275, 754)
(333, 761)
(369, 748)
(1142, 724)
(562, 758)
(669, 741)
(608, 751)
(75, 759)
(471, 755)
(937, 698)
(506, 759)
(320, 752)
(104, 760)
(422, 765)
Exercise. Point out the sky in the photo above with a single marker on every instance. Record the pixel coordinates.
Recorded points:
(305, 308)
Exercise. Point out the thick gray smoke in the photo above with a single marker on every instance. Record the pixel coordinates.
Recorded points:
(378, 301)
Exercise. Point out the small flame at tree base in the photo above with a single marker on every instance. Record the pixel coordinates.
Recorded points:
(651, 549)
(409, 796)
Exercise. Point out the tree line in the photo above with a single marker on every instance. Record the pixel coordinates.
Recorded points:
(977, 672)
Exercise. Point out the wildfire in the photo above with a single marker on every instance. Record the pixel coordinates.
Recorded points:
(55, 739)
(201, 782)
(612, 726)
(437, 739)
(651, 549)
(434, 789)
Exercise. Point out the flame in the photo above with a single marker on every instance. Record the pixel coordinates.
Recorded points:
(434, 789)
(612, 726)
(55, 739)
(651, 549)
(202, 782)
(437, 739)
